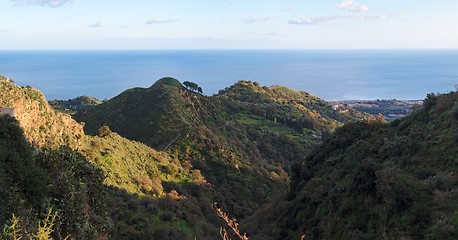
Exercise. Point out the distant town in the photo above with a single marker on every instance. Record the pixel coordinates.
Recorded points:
(390, 109)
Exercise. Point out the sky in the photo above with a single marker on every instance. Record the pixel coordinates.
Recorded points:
(228, 24)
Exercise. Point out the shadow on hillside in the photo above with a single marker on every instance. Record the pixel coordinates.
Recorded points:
(183, 213)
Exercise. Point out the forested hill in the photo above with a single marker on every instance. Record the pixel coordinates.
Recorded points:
(243, 139)
(229, 125)
(372, 180)
(93, 187)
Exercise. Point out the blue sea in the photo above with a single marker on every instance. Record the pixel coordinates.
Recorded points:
(328, 74)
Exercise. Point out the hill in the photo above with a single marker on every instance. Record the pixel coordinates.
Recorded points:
(242, 140)
(124, 189)
(42, 125)
(234, 148)
(71, 106)
(373, 180)
(175, 152)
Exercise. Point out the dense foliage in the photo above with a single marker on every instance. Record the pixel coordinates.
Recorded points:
(21, 178)
(373, 180)
(243, 148)
(32, 182)
(242, 141)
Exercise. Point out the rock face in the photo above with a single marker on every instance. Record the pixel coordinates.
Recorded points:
(5, 79)
(42, 126)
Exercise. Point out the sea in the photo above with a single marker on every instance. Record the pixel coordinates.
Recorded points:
(329, 74)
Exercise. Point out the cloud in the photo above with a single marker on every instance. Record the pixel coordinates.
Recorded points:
(160, 21)
(352, 6)
(256, 19)
(347, 5)
(98, 25)
(265, 34)
(372, 17)
(43, 3)
(315, 20)
(320, 20)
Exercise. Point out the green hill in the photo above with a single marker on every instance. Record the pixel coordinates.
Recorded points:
(43, 126)
(71, 106)
(57, 180)
(235, 148)
(372, 180)
(124, 189)
(174, 152)
(242, 140)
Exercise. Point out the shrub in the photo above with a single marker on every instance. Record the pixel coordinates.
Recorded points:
(454, 112)
(103, 131)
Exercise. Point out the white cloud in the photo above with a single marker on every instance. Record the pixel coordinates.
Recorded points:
(98, 25)
(352, 6)
(43, 3)
(256, 19)
(358, 13)
(160, 21)
(265, 34)
(315, 20)
(320, 20)
(372, 17)
(345, 4)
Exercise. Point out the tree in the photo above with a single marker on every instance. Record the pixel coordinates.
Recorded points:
(103, 131)
(186, 84)
(192, 86)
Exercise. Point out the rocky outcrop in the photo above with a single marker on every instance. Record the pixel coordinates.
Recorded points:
(5, 79)
(43, 127)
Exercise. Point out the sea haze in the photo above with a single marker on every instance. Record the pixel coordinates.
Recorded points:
(329, 74)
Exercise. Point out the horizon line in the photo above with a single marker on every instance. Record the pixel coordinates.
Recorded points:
(224, 49)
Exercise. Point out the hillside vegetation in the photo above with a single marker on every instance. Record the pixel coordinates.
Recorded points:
(33, 183)
(372, 180)
(103, 186)
(42, 125)
(71, 106)
(283, 162)
(219, 154)
(242, 140)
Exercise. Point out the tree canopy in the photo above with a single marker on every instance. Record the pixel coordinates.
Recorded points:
(192, 86)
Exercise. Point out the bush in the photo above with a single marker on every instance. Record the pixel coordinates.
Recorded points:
(103, 131)
(429, 101)
(454, 112)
